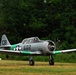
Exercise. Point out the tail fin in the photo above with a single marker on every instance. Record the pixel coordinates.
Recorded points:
(4, 41)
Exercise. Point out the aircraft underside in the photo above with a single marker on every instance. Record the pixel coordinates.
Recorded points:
(51, 60)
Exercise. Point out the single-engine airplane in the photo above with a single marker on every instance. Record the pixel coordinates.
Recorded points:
(31, 47)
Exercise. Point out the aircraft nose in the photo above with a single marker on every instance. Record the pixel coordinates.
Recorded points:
(51, 46)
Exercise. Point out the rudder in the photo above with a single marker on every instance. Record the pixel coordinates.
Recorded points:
(4, 41)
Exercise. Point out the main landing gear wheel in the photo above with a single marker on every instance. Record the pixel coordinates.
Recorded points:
(31, 61)
(51, 61)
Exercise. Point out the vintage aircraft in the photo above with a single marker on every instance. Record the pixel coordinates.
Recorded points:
(31, 46)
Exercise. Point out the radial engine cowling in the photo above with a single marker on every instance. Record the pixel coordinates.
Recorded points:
(51, 46)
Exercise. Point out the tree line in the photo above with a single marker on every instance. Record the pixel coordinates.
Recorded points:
(53, 19)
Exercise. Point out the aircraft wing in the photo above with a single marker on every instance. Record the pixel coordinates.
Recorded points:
(34, 53)
(20, 52)
(64, 51)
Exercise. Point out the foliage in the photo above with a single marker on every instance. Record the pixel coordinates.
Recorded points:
(53, 19)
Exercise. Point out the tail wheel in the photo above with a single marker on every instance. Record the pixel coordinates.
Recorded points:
(7, 56)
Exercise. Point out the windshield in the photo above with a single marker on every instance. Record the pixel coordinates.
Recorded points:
(31, 40)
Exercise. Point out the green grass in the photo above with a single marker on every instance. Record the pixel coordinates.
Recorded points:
(8, 67)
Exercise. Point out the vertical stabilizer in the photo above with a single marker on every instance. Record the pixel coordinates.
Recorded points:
(4, 41)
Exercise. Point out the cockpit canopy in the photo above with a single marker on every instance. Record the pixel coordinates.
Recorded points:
(31, 40)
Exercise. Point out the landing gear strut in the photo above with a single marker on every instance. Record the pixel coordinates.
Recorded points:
(31, 61)
(51, 60)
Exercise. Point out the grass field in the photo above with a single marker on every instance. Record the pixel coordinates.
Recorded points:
(9, 67)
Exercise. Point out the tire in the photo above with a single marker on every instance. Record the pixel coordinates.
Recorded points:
(31, 62)
(51, 62)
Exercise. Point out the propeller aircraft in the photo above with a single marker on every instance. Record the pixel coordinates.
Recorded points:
(32, 47)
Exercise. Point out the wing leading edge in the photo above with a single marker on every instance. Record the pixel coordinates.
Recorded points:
(64, 51)
(21, 52)
(36, 52)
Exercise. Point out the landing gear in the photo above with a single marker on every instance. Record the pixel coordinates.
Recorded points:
(51, 61)
(31, 61)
